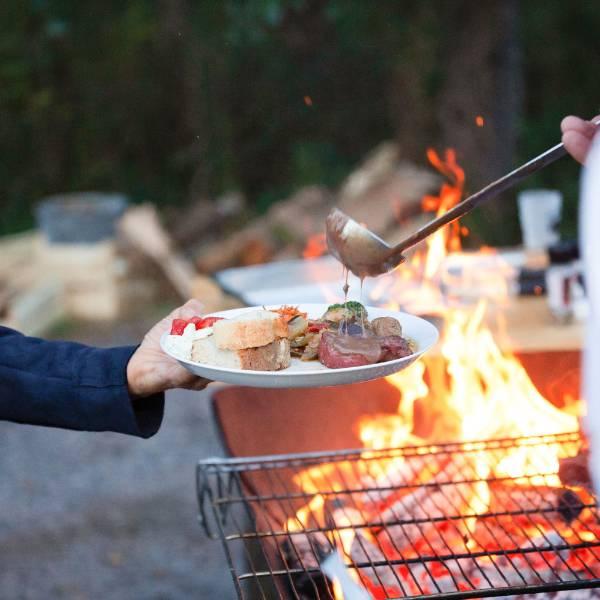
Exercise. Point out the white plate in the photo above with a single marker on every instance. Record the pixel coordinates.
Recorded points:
(313, 374)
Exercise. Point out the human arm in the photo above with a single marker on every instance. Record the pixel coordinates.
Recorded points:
(69, 385)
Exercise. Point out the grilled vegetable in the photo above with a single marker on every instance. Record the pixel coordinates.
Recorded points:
(311, 351)
(289, 312)
(296, 327)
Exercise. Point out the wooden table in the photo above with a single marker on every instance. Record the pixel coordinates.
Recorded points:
(531, 326)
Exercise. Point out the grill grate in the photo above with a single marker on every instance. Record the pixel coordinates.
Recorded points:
(427, 521)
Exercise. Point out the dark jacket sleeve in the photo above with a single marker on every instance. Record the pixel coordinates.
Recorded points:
(69, 385)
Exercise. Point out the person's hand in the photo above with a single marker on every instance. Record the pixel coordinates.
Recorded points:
(150, 370)
(577, 136)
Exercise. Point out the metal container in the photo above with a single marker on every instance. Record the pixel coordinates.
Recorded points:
(81, 218)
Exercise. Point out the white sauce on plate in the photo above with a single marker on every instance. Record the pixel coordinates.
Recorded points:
(181, 345)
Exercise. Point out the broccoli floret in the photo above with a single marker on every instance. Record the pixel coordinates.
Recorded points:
(356, 307)
(348, 310)
(335, 306)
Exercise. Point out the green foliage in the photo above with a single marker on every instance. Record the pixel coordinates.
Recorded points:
(169, 101)
(560, 45)
(317, 162)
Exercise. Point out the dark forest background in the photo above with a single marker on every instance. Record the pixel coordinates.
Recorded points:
(177, 100)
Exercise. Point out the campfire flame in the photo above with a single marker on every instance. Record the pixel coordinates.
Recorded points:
(316, 246)
(447, 238)
(480, 391)
(471, 390)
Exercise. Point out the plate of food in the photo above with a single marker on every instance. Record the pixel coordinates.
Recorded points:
(308, 345)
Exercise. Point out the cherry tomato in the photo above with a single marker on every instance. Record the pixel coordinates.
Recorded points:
(208, 322)
(178, 326)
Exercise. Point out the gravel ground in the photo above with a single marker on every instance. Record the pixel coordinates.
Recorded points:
(102, 515)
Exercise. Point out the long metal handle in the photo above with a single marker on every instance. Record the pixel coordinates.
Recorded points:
(488, 192)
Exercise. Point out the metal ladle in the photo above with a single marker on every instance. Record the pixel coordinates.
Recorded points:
(367, 255)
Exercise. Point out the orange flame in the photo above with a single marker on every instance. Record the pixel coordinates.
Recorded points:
(479, 121)
(448, 238)
(316, 246)
(471, 390)
(313, 509)
(477, 391)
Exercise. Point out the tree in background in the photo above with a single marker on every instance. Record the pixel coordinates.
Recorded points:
(174, 100)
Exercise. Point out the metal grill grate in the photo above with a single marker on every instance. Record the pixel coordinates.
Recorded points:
(429, 522)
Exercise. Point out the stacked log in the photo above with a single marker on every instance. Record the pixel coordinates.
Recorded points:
(142, 229)
(90, 275)
(282, 231)
(384, 192)
(30, 300)
(43, 282)
(103, 280)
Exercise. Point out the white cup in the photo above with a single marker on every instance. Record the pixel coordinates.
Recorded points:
(539, 215)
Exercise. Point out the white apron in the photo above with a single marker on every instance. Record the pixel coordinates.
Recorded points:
(590, 247)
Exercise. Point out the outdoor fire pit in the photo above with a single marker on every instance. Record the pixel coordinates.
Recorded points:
(437, 524)
(455, 520)
(455, 489)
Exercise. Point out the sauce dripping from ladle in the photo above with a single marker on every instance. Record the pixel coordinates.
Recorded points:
(358, 249)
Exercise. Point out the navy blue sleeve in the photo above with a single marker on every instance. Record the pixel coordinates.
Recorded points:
(69, 385)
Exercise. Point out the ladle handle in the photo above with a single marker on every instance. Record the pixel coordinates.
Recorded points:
(488, 192)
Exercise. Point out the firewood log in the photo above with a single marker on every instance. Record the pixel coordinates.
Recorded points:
(142, 228)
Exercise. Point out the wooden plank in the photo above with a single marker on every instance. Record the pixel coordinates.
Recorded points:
(73, 261)
(16, 251)
(17, 245)
(35, 310)
(101, 303)
(142, 228)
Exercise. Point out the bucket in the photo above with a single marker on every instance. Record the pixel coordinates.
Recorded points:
(80, 218)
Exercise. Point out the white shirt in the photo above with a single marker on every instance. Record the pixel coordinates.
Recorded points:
(590, 246)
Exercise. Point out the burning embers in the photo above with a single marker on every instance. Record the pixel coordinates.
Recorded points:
(424, 521)
(440, 519)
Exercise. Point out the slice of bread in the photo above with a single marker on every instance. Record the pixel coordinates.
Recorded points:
(249, 330)
(270, 357)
